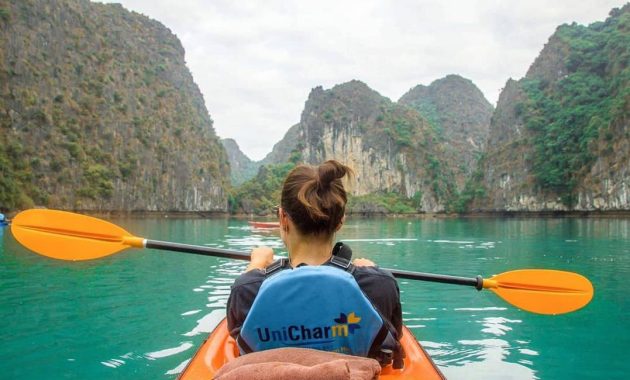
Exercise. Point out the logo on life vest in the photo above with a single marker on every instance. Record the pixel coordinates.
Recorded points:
(293, 334)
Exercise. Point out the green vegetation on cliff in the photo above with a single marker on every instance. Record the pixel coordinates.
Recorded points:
(472, 189)
(384, 202)
(568, 115)
(261, 194)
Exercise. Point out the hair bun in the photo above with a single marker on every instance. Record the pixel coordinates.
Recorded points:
(314, 196)
(330, 171)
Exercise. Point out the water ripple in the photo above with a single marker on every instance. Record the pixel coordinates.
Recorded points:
(497, 325)
(169, 351)
(190, 312)
(207, 323)
(490, 362)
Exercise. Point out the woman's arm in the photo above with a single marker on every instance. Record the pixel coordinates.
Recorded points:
(361, 262)
(260, 258)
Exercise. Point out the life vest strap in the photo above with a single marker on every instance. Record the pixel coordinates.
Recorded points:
(342, 263)
(276, 266)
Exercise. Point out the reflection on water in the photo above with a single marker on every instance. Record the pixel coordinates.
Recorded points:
(488, 358)
(207, 323)
(169, 351)
(497, 325)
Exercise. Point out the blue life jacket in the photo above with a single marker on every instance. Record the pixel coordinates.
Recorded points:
(320, 307)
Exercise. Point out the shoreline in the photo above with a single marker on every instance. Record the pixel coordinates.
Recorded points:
(621, 214)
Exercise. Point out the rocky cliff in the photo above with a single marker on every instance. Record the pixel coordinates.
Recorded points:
(391, 147)
(559, 138)
(410, 156)
(460, 115)
(99, 112)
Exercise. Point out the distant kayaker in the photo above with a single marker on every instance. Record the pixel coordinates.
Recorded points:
(357, 308)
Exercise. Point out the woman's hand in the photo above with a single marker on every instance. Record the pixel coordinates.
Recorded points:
(361, 262)
(260, 258)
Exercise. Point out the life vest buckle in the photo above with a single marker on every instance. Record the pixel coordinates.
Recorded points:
(385, 357)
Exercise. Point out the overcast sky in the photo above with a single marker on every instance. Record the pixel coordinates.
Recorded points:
(256, 61)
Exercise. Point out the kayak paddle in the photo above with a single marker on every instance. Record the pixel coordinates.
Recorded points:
(68, 236)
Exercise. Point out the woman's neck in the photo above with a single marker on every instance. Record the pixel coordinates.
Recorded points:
(310, 250)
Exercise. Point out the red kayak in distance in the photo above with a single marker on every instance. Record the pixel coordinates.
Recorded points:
(264, 225)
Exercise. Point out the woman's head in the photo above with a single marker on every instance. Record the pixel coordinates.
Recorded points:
(314, 197)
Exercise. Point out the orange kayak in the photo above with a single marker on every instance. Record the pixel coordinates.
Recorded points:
(220, 348)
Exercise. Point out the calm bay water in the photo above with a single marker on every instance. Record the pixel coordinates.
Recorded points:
(142, 313)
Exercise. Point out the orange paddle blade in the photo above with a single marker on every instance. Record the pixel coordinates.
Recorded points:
(68, 236)
(542, 291)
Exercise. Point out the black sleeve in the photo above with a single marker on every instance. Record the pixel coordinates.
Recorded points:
(397, 320)
(244, 290)
(381, 288)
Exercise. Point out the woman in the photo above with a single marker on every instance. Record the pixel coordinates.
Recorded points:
(311, 211)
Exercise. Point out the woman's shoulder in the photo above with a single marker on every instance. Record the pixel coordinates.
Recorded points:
(379, 286)
(250, 277)
(372, 271)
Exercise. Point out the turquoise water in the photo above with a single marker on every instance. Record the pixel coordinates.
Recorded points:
(142, 313)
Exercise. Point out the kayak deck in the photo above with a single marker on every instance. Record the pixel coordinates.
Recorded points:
(220, 348)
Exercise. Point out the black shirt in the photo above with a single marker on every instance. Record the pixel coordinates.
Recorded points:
(379, 286)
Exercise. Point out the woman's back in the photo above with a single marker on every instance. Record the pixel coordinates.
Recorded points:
(312, 210)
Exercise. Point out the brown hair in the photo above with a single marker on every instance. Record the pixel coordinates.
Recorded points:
(314, 197)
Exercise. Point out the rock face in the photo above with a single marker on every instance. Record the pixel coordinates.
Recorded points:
(391, 148)
(559, 138)
(507, 178)
(460, 115)
(606, 186)
(99, 112)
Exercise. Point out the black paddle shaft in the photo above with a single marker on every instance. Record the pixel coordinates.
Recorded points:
(197, 249)
(476, 282)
